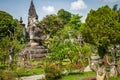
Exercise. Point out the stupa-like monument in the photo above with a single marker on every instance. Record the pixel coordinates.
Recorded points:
(34, 49)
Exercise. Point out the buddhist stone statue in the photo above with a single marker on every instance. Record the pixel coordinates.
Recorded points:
(34, 50)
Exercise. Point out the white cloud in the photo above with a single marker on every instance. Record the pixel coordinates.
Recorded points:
(111, 0)
(48, 9)
(77, 5)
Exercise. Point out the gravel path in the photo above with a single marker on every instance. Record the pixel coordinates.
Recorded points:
(34, 77)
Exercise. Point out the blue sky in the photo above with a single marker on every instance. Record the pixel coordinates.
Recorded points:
(19, 8)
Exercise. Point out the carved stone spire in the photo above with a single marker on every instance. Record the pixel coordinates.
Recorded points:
(32, 11)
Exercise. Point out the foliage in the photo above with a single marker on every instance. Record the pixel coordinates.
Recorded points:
(64, 15)
(115, 8)
(70, 51)
(75, 21)
(73, 25)
(10, 35)
(51, 24)
(6, 75)
(20, 71)
(87, 50)
(77, 76)
(72, 66)
(52, 71)
(4, 46)
(102, 28)
(6, 24)
(60, 49)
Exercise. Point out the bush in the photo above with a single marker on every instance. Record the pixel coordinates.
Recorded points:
(20, 71)
(6, 75)
(52, 71)
(72, 66)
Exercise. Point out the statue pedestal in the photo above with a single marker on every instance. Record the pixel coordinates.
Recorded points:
(32, 51)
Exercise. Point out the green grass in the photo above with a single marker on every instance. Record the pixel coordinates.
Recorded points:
(77, 76)
(117, 78)
(82, 75)
(34, 63)
(35, 71)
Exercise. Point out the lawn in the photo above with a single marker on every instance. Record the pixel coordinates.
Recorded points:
(23, 72)
(77, 76)
(82, 75)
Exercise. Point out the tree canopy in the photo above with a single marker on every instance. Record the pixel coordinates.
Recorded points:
(6, 24)
(64, 15)
(102, 28)
(10, 34)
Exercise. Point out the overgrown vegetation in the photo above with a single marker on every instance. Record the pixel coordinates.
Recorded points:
(67, 53)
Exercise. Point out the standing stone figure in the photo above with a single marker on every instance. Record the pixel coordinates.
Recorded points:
(100, 70)
(11, 55)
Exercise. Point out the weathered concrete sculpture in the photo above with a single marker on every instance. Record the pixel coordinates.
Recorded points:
(34, 50)
(11, 55)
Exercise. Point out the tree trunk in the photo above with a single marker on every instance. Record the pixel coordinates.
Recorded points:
(102, 51)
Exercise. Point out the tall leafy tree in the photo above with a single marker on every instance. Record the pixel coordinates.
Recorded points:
(102, 28)
(6, 24)
(73, 25)
(75, 21)
(64, 15)
(10, 34)
(115, 8)
(50, 24)
(119, 14)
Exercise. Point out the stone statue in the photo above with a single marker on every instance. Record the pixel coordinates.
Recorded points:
(11, 55)
(34, 49)
(100, 70)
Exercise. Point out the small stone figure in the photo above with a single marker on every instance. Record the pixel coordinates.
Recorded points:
(11, 55)
(80, 39)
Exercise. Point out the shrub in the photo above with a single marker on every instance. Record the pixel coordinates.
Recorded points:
(6, 75)
(20, 71)
(72, 67)
(52, 71)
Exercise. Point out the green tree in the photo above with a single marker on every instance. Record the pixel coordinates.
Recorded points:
(115, 8)
(73, 25)
(51, 24)
(10, 35)
(64, 15)
(75, 21)
(102, 29)
(6, 24)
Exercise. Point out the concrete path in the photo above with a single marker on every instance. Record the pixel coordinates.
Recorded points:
(34, 77)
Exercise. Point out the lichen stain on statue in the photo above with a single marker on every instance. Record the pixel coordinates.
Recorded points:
(34, 49)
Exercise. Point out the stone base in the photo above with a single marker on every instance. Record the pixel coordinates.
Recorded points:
(31, 52)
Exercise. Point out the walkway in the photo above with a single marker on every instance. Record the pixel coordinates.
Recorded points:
(34, 77)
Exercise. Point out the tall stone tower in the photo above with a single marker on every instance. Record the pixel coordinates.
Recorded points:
(32, 15)
(34, 32)
(34, 50)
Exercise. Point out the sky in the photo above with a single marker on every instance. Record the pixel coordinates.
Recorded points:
(19, 8)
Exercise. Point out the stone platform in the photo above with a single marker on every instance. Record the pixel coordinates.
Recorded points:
(31, 53)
